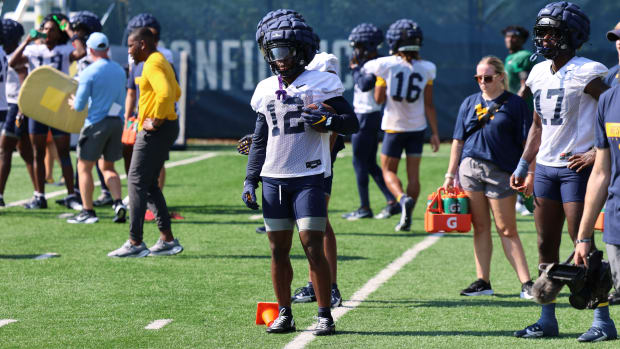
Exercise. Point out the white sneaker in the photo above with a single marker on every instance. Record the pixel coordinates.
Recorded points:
(129, 250)
(163, 248)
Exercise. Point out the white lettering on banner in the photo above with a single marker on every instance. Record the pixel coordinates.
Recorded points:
(342, 49)
(207, 72)
(227, 63)
(206, 65)
(181, 45)
(248, 76)
(451, 222)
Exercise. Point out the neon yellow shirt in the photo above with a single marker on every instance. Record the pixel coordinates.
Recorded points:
(159, 90)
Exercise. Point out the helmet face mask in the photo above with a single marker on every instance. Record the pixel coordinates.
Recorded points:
(550, 37)
(284, 58)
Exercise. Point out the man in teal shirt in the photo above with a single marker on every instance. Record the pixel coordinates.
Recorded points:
(517, 63)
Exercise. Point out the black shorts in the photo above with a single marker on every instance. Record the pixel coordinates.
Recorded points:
(14, 127)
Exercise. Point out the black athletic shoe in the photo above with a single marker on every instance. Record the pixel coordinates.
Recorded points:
(478, 288)
(304, 294)
(104, 199)
(336, 297)
(614, 298)
(36, 203)
(358, 214)
(388, 211)
(261, 230)
(325, 327)
(120, 212)
(282, 324)
(405, 215)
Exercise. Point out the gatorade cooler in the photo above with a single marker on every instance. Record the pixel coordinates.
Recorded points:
(600, 221)
(437, 220)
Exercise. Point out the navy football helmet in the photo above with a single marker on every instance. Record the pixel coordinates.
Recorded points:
(287, 37)
(144, 20)
(365, 39)
(12, 32)
(87, 21)
(404, 35)
(266, 21)
(566, 23)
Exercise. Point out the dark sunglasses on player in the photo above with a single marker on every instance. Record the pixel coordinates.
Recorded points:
(486, 78)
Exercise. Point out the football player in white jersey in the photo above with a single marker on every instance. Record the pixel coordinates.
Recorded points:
(365, 39)
(14, 132)
(325, 62)
(290, 154)
(56, 51)
(565, 89)
(406, 87)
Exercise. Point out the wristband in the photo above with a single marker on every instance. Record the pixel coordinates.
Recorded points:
(521, 170)
(583, 240)
(449, 175)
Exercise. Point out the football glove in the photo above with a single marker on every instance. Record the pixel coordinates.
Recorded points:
(249, 195)
(317, 117)
(244, 144)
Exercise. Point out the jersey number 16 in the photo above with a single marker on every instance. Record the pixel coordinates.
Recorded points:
(412, 92)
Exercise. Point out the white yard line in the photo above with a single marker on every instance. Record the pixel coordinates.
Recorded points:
(256, 217)
(371, 286)
(47, 256)
(4, 322)
(157, 324)
(168, 165)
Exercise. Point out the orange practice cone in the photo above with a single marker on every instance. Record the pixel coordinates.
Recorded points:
(266, 312)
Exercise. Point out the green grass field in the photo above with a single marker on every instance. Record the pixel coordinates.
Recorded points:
(83, 299)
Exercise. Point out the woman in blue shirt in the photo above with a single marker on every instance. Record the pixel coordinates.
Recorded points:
(485, 154)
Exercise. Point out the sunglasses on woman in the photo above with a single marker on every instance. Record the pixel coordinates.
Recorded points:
(486, 78)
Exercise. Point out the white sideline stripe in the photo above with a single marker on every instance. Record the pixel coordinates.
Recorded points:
(371, 286)
(157, 324)
(123, 176)
(46, 256)
(5, 322)
(256, 217)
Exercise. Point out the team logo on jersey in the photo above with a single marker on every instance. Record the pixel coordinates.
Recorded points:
(313, 163)
(480, 111)
(612, 129)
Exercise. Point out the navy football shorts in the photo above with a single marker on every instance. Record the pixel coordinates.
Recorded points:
(37, 128)
(11, 127)
(560, 183)
(290, 201)
(394, 143)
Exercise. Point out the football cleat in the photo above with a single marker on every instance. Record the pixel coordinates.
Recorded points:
(304, 294)
(405, 216)
(36, 203)
(358, 214)
(120, 213)
(336, 298)
(597, 334)
(538, 331)
(282, 324)
(103, 200)
(261, 230)
(325, 326)
(388, 211)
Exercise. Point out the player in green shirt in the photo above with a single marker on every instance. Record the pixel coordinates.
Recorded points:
(518, 66)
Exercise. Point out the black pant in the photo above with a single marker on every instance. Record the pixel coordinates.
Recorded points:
(149, 154)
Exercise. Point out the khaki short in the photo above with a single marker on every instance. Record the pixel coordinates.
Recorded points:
(485, 176)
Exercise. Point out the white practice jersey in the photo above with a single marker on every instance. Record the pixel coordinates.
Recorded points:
(294, 149)
(4, 64)
(58, 57)
(364, 102)
(406, 81)
(567, 113)
(13, 84)
(326, 62)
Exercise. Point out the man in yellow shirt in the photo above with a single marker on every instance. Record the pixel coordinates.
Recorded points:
(157, 129)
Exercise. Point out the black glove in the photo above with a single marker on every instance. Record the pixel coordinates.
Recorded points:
(249, 195)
